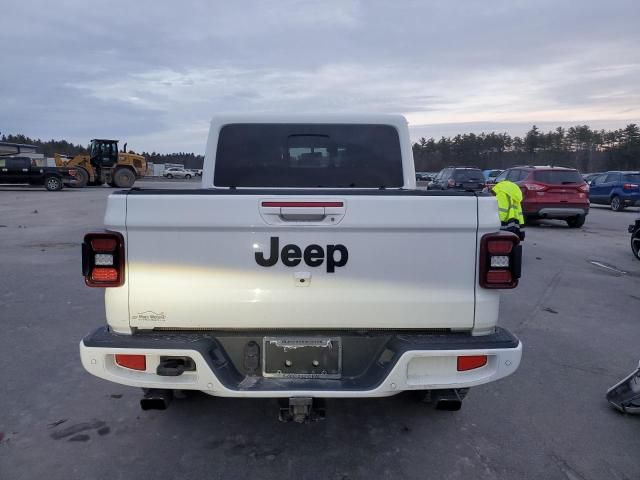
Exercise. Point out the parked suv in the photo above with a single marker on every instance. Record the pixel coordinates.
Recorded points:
(177, 173)
(618, 189)
(551, 192)
(458, 178)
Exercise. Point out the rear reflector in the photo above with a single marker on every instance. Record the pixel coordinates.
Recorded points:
(104, 274)
(471, 362)
(134, 362)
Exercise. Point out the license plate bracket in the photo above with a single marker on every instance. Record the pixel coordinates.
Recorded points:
(302, 357)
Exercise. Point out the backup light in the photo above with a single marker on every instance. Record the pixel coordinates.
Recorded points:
(102, 259)
(499, 261)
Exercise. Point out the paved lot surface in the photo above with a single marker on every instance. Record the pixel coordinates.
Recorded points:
(579, 323)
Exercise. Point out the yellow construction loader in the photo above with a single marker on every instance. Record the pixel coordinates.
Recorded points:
(105, 164)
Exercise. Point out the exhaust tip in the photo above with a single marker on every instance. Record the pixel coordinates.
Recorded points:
(156, 399)
(449, 405)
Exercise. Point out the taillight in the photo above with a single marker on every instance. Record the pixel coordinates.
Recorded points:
(471, 362)
(584, 188)
(103, 259)
(451, 182)
(630, 186)
(500, 260)
(535, 187)
(134, 362)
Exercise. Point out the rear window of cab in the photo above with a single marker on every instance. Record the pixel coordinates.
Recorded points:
(308, 156)
(557, 177)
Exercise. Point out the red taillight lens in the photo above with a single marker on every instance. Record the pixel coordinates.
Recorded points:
(451, 182)
(104, 244)
(471, 362)
(534, 187)
(584, 188)
(101, 274)
(499, 276)
(134, 362)
(499, 247)
(630, 186)
(103, 259)
(500, 260)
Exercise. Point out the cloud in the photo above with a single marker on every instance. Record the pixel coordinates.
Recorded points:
(154, 73)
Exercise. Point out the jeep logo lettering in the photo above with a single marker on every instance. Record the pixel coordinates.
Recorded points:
(313, 255)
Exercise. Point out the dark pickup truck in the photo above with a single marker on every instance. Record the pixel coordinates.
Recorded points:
(23, 170)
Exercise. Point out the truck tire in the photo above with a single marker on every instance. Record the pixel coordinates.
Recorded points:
(577, 221)
(124, 178)
(82, 178)
(53, 184)
(617, 205)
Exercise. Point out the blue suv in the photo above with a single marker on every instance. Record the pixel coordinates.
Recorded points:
(618, 189)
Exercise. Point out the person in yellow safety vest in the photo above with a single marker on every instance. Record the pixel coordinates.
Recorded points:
(509, 198)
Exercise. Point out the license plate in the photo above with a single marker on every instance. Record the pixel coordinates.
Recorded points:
(302, 357)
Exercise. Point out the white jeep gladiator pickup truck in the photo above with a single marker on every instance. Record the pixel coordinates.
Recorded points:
(306, 266)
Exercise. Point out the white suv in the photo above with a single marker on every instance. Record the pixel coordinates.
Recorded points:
(177, 173)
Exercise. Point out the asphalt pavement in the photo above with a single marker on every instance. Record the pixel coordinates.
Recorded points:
(577, 312)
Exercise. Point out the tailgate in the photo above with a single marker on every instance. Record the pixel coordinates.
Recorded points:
(198, 260)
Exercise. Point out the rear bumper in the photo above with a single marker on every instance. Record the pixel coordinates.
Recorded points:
(375, 364)
(555, 210)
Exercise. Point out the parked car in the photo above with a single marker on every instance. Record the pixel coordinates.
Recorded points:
(590, 176)
(424, 176)
(22, 170)
(551, 192)
(490, 176)
(176, 172)
(618, 189)
(458, 178)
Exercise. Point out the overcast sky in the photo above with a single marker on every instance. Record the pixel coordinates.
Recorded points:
(154, 75)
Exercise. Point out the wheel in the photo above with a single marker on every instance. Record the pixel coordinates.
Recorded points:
(124, 178)
(169, 175)
(82, 178)
(577, 221)
(53, 184)
(635, 244)
(187, 176)
(617, 205)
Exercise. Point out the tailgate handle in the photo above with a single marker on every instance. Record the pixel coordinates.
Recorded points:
(302, 214)
(303, 211)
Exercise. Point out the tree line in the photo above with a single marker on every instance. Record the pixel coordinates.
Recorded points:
(579, 147)
(51, 147)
